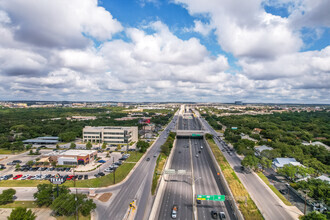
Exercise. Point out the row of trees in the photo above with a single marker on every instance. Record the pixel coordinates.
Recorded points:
(167, 146)
(65, 203)
(20, 124)
(284, 133)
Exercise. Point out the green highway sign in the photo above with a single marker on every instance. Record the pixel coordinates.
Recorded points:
(196, 135)
(211, 197)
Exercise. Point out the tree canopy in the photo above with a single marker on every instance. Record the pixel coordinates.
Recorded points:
(21, 213)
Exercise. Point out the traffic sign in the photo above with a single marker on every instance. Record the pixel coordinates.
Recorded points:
(196, 135)
(211, 197)
(169, 171)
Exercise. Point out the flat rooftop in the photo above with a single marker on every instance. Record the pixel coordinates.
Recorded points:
(108, 127)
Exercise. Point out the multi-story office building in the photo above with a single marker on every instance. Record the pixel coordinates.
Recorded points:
(111, 135)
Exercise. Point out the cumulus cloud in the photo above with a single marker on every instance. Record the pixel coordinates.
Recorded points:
(244, 29)
(60, 23)
(47, 52)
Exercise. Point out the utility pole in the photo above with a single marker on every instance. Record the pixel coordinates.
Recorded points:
(305, 203)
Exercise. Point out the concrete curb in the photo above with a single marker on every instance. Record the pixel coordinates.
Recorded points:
(292, 210)
(232, 200)
(161, 188)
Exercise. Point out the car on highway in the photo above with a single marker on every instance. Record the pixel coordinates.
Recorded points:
(148, 159)
(199, 151)
(201, 147)
(197, 155)
(174, 213)
(214, 214)
(17, 176)
(222, 215)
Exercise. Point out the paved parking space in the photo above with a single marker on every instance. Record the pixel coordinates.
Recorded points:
(114, 157)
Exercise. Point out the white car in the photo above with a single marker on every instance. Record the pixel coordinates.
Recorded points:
(201, 147)
(25, 176)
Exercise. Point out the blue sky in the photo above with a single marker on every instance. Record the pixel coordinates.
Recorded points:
(178, 50)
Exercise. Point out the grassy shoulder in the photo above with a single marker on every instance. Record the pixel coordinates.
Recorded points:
(103, 181)
(158, 169)
(24, 204)
(5, 151)
(246, 205)
(264, 178)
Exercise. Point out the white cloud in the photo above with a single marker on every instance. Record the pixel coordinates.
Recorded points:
(60, 23)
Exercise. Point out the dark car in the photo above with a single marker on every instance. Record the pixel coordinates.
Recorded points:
(67, 169)
(51, 169)
(214, 214)
(97, 175)
(17, 161)
(148, 159)
(80, 177)
(86, 177)
(101, 173)
(43, 169)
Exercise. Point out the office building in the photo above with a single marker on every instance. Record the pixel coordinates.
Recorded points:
(110, 134)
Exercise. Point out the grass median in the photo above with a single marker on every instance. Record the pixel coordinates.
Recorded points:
(158, 169)
(265, 179)
(103, 181)
(246, 205)
(24, 204)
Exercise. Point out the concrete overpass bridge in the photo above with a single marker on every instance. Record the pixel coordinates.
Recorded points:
(190, 133)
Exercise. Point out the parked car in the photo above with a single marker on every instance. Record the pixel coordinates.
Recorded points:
(86, 177)
(68, 169)
(80, 177)
(97, 175)
(101, 161)
(17, 176)
(101, 173)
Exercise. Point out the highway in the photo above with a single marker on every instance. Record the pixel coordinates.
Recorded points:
(178, 189)
(137, 186)
(264, 199)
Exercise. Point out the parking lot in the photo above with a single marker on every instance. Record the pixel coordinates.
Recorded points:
(39, 172)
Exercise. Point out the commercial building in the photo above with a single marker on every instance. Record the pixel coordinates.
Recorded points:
(42, 141)
(111, 135)
(71, 157)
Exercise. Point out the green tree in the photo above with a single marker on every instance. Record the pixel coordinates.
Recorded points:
(72, 145)
(66, 204)
(288, 170)
(30, 163)
(47, 192)
(67, 136)
(265, 163)
(244, 146)
(57, 146)
(142, 146)
(53, 163)
(250, 161)
(17, 166)
(21, 213)
(314, 216)
(104, 146)
(89, 145)
(7, 196)
(165, 149)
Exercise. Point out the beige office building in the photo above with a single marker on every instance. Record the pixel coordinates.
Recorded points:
(110, 135)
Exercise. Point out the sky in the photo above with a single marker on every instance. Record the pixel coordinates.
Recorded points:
(264, 51)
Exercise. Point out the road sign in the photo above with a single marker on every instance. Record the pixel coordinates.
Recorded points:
(211, 197)
(196, 135)
(181, 172)
(169, 171)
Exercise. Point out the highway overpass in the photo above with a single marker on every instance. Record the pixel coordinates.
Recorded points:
(190, 133)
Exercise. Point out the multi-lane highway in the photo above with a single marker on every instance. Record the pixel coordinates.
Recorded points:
(178, 189)
(266, 201)
(137, 187)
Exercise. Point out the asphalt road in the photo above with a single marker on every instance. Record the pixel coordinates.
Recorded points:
(207, 182)
(178, 190)
(263, 198)
(137, 186)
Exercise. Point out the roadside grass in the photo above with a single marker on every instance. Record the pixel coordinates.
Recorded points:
(22, 183)
(158, 169)
(246, 205)
(5, 151)
(265, 179)
(103, 181)
(24, 204)
(80, 216)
